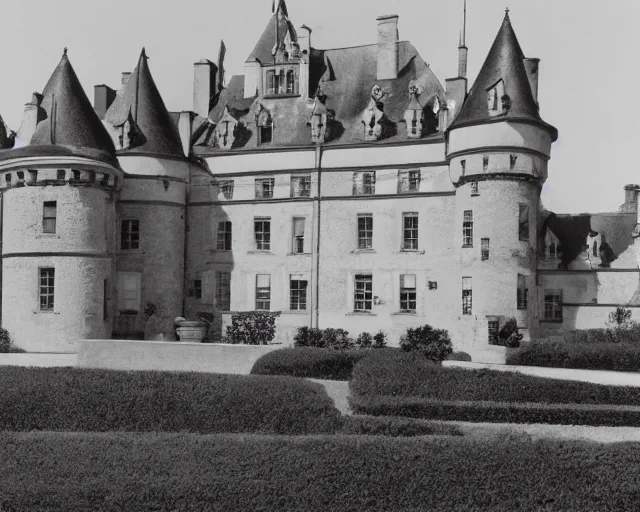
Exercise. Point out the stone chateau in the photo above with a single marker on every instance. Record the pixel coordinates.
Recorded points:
(343, 187)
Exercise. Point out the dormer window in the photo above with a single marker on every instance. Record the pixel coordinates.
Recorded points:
(265, 127)
(281, 80)
(495, 99)
(225, 130)
(414, 116)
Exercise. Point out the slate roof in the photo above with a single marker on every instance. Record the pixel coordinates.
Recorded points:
(141, 99)
(346, 76)
(262, 52)
(72, 127)
(504, 61)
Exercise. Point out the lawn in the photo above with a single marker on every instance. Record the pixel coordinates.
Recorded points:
(165, 472)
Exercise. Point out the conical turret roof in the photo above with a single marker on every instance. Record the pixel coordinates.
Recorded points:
(505, 61)
(141, 100)
(71, 122)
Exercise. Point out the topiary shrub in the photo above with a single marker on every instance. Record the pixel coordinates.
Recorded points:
(252, 328)
(380, 339)
(434, 344)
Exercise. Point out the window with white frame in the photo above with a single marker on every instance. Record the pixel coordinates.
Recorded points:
(553, 304)
(408, 181)
(300, 186)
(364, 183)
(365, 231)
(262, 233)
(129, 292)
(264, 188)
(297, 293)
(263, 292)
(130, 234)
(467, 229)
(49, 217)
(408, 293)
(224, 236)
(47, 283)
(363, 292)
(467, 296)
(474, 188)
(298, 235)
(223, 291)
(523, 292)
(484, 249)
(410, 231)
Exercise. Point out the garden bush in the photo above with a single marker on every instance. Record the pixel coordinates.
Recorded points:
(61, 472)
(509, 336)
(252, 328)
(71, 399)
(624, 356)
(396, 374)
(316, 363)
(434, 344)
(6, 345)
(459, 356)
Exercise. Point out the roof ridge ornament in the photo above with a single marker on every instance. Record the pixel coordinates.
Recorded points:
(506, 13)
(64, 52)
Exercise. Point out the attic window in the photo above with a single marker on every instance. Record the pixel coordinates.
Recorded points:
(266, 134)
(265, 127)
(281, 80)
(495, 97)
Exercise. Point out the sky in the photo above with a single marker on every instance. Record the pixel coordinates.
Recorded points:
(588, 71)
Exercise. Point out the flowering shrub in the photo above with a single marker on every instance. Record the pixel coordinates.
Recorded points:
(252, 328)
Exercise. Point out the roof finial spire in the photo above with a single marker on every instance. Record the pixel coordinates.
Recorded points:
(462, 47)
(506, 13)
(464, 25)
(64, 53)
(144, 53)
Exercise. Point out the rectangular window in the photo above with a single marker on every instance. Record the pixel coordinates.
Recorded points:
(263, 292)
(224, 236)
(408, 293)
(408, 181)
(272, 78)
(223, 291)
(49, 217)
(553, 304)
(365, 231)
(264, 188)
(523, 292)
(364, 183)
(410, 232)
(484, 249)
(47, 278)
(298, 236)
(363, 292)
(226, 187)
(298, 293)
(523, 222)
(129, 235)
(474, 188)
(467, 229)
(129, 291)
(195, 289)
(494, 329)
(266, 134)
(105, 299)
(262, 230)
(300, 186)
(467, 293)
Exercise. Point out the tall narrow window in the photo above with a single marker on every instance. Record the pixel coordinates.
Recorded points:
(47, 278)
(595, 248)
(523, 222)
(408, 293)
(264, 188)
(364, 183)
(263, 292)
(300, 186)
(512, 161)
(298, 235)
(266, 133)
(463, 167)
(129, 235)
(410, 232)
(271, 82)
(467, 297)
(523, 292)
(226, 187)
(494, 329)
(224, 236)
(290, 82)
(553, 304)
(553, 250)
(262, 231)
(484, 249)
(408, 181)
(49, 217)
(223, 291)
(105, 299)
(467, 229)
(363, 292)
(298, 293)
(474, 188)
(195, 289)
(129, 292)
(365, 231)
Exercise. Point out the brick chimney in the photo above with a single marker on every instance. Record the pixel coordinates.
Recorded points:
(125, 78)
(103, 96)
(204, 86)
(388, 47)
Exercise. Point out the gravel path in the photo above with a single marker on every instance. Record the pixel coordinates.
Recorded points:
(338, 391)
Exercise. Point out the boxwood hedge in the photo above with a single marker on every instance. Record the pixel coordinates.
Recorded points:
(135, 472)
(70, 399)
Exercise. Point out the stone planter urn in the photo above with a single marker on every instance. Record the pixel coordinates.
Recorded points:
(191, 331)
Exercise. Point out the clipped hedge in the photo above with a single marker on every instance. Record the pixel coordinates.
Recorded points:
(622, 334)
(317, 363)
(60, 472)
(396, 427)
(623, 356)
(499, 412)
(71, 399)
(400, 375)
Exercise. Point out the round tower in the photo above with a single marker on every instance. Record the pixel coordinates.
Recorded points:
(151, 207)
(497, 149)
(58, 215)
